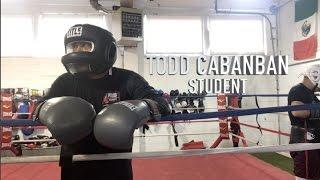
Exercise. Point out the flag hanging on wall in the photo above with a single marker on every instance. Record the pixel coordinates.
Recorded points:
(305, 40)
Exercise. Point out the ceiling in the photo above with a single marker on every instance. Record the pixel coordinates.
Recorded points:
(8, 6)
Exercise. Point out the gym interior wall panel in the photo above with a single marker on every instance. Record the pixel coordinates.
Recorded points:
(286, 30)
(39, 73)
(119, 62)
(29, 72)
(263, 84)
(131, 59)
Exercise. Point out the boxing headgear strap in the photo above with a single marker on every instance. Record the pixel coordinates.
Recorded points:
(99, 59)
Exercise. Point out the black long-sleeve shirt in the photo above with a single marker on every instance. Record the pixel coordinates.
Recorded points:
(119, 85)
(301, 93)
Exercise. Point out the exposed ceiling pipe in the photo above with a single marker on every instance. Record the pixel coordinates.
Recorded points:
(95, 4)
(284, 4)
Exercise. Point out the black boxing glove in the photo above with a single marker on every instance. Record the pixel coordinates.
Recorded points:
(35, 113)
(172, 93)
(154, 110)
(115, 124)
(69, 119)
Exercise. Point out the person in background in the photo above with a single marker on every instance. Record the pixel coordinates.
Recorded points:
(305, 125)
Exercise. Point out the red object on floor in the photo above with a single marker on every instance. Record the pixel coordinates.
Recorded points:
(217, 167)
(193, 145)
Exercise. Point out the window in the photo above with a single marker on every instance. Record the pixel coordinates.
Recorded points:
(173, 35)
(52, 28)
(236, 35)
(16, 36)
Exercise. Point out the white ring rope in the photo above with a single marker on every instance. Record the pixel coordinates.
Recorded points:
(21, 113)
(178, 134)
(188, 108)
(240, 137)
(281, 113)
(184, 122)
(159, 154)
(33, 140)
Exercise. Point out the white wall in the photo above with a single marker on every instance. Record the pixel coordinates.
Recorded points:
(40, 73)
(255, 85)
(286, 35)
(36, 73)
(286, 30)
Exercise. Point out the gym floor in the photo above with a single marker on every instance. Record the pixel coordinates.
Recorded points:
(221, 166)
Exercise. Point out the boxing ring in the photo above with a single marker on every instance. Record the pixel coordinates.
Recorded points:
(223, 116)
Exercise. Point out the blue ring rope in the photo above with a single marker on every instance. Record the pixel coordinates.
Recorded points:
(179, 117)
(242, 112)
(239, 95)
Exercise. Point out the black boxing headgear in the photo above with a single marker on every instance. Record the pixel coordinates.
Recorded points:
(98, 59)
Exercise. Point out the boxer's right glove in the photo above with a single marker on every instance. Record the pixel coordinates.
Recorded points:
(115, 124)
(69, 119)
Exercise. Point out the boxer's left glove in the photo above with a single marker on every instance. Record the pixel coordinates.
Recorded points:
(69, 119)
(115, 124)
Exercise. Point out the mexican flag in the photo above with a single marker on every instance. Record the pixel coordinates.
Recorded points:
(305, 39)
